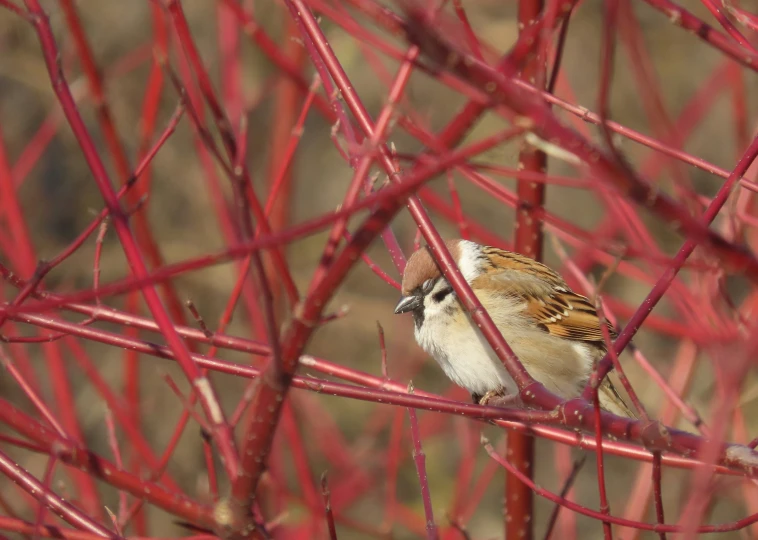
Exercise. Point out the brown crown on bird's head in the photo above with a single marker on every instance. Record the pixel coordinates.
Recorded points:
(421, 266)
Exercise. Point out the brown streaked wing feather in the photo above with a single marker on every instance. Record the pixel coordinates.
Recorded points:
(562, 312)
(557, 309)
(568, 315)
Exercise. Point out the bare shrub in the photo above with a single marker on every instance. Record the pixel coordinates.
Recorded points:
(205, 208)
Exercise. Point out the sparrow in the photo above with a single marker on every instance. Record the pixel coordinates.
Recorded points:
(554, 331)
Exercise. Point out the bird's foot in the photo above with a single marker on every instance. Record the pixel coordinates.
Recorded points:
(499, 398)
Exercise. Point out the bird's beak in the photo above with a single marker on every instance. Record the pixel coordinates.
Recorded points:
(408, 303)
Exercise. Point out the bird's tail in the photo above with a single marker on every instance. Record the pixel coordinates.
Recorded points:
(611, 401)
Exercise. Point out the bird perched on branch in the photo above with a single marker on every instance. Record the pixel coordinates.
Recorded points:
(554, 332)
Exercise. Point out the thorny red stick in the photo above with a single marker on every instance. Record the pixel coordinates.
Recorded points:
(46, 531)
(286, 131)
(46, 497)
(613, 519)
(46, 477)
(600, 459)
(241, 173)
(221, 431)
(44, 267)
(410, 183)
(539, 119)
(116, 451)
(682, 372)
(737, 456)
(469, 114)
(681, 17)
(682, 255)
(724, 21)
(220, 205)
(81, 458)
(658, 492)
(674, 441)
(40, 405)
(24, 259)
(604, 507)
(420, 460)
(325, 493)
(375, 134)
(143, 232)
(231, 64)
(280, 176)
(223, 125)
(743, 17)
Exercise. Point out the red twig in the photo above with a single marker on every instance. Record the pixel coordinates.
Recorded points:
(325, 493)
(658, 492)
(682, 255)
(113, 443)
(605, 508)
(567, 485)
(46, 479)
(143, 232)
(603, 517)
(47, 531)
(45, 496)
(419, 458)
(684, 442)
(38, 403)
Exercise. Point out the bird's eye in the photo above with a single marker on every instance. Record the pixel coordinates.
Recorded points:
(427, 285)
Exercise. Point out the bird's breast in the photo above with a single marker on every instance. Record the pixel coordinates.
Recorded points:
(463, 354)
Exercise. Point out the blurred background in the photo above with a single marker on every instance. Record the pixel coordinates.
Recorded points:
(59, 198)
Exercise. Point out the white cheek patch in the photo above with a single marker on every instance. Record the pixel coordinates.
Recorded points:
(467, 261)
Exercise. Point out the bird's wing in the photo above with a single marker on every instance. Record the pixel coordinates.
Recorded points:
(565, 314)
(554, 307)
(549, 301)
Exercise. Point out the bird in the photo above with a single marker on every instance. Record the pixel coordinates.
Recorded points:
(554, 332)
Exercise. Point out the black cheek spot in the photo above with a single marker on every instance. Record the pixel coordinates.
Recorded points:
(418, 317)
(441, 295)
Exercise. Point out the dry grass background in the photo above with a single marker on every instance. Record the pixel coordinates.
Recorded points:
(59, 198)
